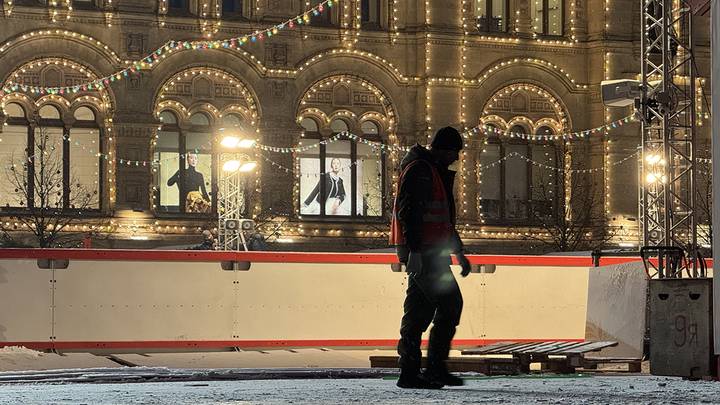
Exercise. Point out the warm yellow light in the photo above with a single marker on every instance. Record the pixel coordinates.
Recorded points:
(652, 159)
(246, 143)
(230, 141)
(248, 167)
(231, 166)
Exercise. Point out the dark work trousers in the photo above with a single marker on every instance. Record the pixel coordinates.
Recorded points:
(433, 296)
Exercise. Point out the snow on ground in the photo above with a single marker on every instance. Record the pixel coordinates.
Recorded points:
(306, 376)
(14, 358)
(483, 390)
(20, 358)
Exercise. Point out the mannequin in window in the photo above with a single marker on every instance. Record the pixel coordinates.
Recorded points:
(334, 189)
(192, 189)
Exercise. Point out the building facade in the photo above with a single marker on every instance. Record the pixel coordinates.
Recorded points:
(127, 100)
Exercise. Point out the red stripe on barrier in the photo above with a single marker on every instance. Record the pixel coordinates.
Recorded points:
(250, 344)
(293, 257)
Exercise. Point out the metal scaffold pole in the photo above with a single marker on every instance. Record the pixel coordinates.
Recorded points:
(668, 136)
(231, 205)
(715, 78)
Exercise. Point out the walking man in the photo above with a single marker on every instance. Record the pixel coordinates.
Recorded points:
(423, 229)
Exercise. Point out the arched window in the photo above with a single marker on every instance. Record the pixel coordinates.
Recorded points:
(547, 16)
(50, 160)
(200, 119)
(545, 181)
(516, 176)
(516, 179)
(343, 177)
(491, 15)
(370, 173)
(232, 121)
(186, 177)
(489, 173)
(85, 152)
(198, 165)
(52, 164)
(14, 110)
(84, 114)
(309, 125)
(49, 112)
(338, 126)
(369, 128)
(13, 157)
(167, 154)
(168, 118)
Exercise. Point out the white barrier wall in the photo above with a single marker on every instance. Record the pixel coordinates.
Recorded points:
(179, 305)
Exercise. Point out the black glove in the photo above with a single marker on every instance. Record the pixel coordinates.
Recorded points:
(464, 263)
(414, 263)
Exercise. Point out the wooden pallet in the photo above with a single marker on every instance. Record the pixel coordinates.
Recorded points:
(487, 366)
(632, 365)
(567, 356)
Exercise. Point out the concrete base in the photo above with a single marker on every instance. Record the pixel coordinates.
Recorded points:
(681, 342)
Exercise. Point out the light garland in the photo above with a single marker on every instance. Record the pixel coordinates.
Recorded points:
(8, 7)
(346, 24)
(387, 148)
(340, 51)
(608, 117)
(54, 10)
(508, 90)
(463, 98)
(573, 14)
(209, 20)
(428, 118)
(358, 20)
(395, 33)
(72, 35)
(149, 62)
(153, 58)
(480, 167)
(211, 73)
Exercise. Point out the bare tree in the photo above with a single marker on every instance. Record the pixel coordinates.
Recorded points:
(271, 219)
(569, 222)
(39, 186)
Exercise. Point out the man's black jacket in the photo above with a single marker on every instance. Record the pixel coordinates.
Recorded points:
(414, 194)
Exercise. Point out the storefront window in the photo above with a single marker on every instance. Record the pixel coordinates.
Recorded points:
(185, 158)
(343, 177)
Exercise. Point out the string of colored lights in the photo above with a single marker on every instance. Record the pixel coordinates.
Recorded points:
(487, 165)
(386, 148)
(150, 59)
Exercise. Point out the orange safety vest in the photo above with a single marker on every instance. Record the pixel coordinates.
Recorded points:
(437, 228)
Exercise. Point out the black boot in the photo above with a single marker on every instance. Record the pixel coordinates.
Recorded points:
(413, 379)
(438, 374)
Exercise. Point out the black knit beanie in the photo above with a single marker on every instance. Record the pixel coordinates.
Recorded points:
(447, 138)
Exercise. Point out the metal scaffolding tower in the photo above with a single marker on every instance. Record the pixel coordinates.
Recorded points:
(231, 205)
(668, 131)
